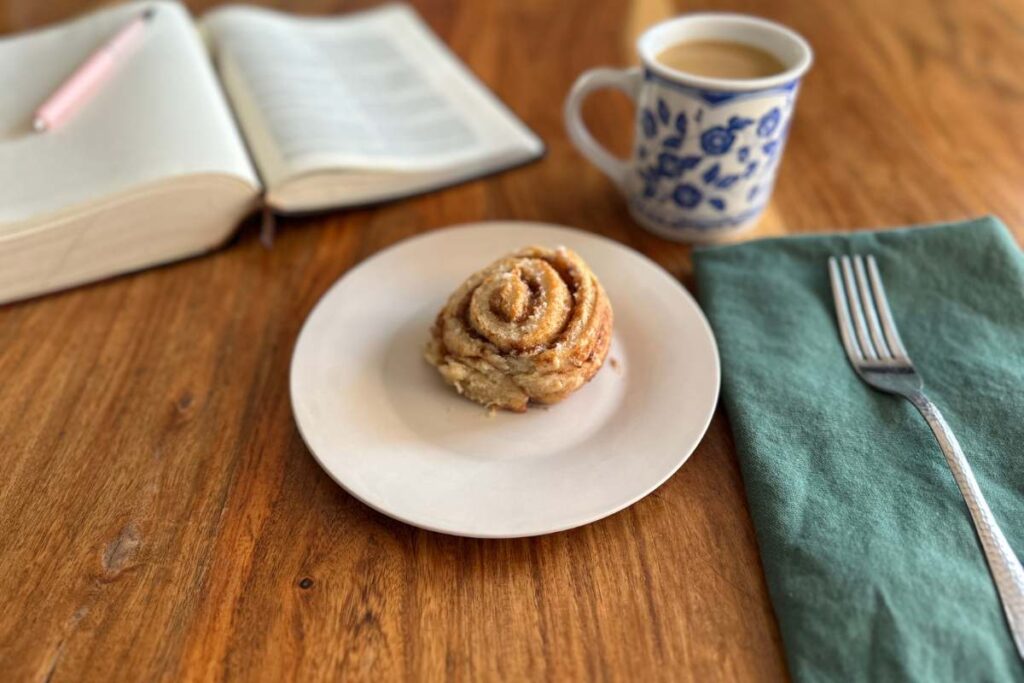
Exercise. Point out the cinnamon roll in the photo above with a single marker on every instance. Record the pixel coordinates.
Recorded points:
(533, 326)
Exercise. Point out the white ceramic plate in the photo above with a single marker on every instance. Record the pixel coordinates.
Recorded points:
(381, 422)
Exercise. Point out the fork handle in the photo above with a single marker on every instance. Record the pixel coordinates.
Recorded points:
(1002, 562)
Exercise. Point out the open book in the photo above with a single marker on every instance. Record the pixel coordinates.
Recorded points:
(170, 154)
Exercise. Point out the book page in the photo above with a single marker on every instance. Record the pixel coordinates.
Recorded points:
(160, 114)
(374, 90)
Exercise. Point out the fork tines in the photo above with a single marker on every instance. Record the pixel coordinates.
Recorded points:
(865, 322)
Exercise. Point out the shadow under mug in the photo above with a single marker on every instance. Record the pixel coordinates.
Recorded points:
(705, 150)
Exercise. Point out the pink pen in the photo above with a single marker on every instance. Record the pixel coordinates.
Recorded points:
(87, 77)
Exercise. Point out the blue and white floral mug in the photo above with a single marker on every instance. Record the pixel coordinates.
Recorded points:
(706, 150)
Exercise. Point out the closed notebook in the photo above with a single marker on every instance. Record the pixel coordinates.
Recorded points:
(203, 119)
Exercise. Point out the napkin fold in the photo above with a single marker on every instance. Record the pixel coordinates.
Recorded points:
(872, 564)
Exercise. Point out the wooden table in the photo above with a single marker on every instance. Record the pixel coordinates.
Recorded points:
(160, 518)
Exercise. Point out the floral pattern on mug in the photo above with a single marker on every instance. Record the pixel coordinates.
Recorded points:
(687, 196)
(769, 122)
(717, 140)
(716, 154)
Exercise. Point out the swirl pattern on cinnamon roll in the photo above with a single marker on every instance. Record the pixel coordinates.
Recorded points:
(533, 326)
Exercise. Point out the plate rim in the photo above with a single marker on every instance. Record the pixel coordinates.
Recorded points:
(488, 224)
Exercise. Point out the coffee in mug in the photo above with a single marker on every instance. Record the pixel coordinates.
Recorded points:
(720, 59)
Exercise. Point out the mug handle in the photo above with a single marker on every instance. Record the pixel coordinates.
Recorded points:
(626, 80)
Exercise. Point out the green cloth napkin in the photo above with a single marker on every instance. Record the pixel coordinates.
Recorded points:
(870, 557)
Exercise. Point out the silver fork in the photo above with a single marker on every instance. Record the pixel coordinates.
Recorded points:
(874, 348)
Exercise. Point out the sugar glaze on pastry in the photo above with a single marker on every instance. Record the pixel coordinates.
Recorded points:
(533, 326)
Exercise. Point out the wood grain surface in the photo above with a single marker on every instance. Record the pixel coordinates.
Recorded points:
(161, 519)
